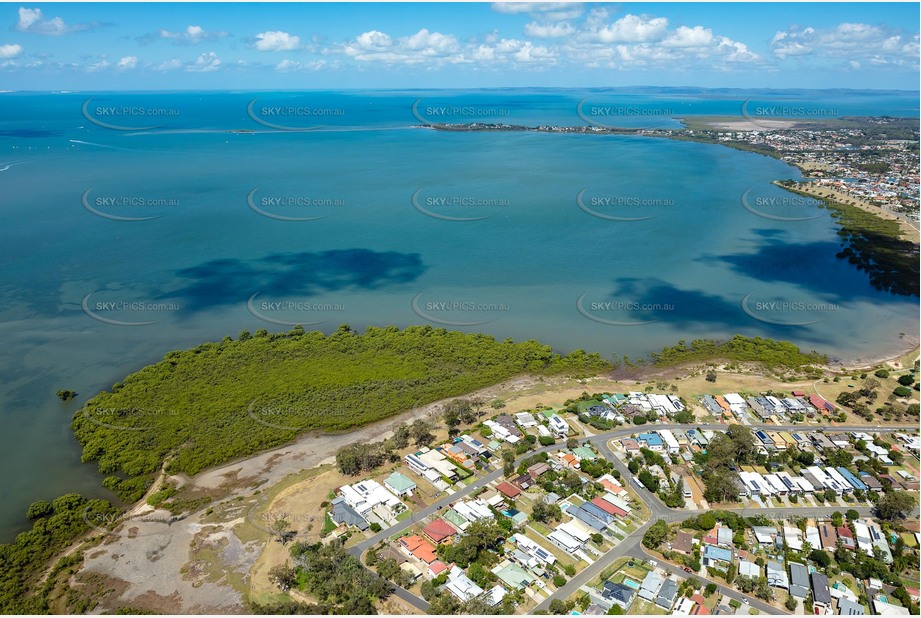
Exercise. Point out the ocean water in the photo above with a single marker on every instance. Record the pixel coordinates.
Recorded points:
(202, 214)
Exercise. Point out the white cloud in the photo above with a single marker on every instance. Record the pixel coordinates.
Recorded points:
(287, 66)
(551, 10)
(170, 65)
(205, 63)
(430, 42)
(192, 35)
(32, 20)
(276, 40)
(629, 29)
(98, 66)
(10, 50)
(548, 30)
(424, 46)
(127, 63)
(373, 39)
(855, 42)
(698, 36)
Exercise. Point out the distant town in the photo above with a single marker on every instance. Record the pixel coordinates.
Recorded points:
(872, 160)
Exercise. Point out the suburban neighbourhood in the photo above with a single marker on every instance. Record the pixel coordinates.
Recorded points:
(644, 503)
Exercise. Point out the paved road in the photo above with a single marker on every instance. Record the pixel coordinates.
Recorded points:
(657, 508)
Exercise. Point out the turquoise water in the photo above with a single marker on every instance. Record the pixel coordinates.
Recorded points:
(485, 232)
(629, 583)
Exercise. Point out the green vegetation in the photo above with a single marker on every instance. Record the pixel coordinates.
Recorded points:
(66, 395)
(336, 579)
(895, 504)
(740, 349)
(656, 534)
(874, 245)
(204, 406)
(736, 446)
(22, 561)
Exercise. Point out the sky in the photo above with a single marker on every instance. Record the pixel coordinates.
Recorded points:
(256, 46)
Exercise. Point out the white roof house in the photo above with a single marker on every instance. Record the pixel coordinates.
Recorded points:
(749, 569)
(575, 530)
(793, 537)
(558, 425)
(671, 443)
(462, 586)
(525, 420)
(734, 399)
(813, 538)
(564, 540)
(473, 510)
(834, 474)
(366, 495)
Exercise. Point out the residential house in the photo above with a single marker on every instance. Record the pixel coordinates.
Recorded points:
(718, 557)
(523, 482)
(440, 531)
(649, 589)
(749, 569)
(513, 575)
(667, 594)
(508, 490)
(538, 469)
(776, 575)
(651, 441)
(400, 484)
(821, 596)
(456, 519)
(799, 580)
(684, 543)
(558, 426)
(847, 607)
(419, 548)
(846, 537)
(462, 586)
(829, 536)
(343, 514)
(618, 594)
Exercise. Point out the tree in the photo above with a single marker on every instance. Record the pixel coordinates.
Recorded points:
(546, 440)
(649, 481)
(907, 379)
(559, 581)
(656, 534)
(901, 391)
(851, 514)
(572, 443)
(895, 505)
(820, 557)
(65, 395)
(401, 436)
(421, 432)
(279, 528)
(881, 373)
(745, 583)
(710, 589)
(283, 576)
(39, 508)
(720, 486)
(790, 603)
(557, 607)
(711, 375)
(543, 512)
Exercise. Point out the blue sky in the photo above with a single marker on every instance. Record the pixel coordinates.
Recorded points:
(105, 46)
